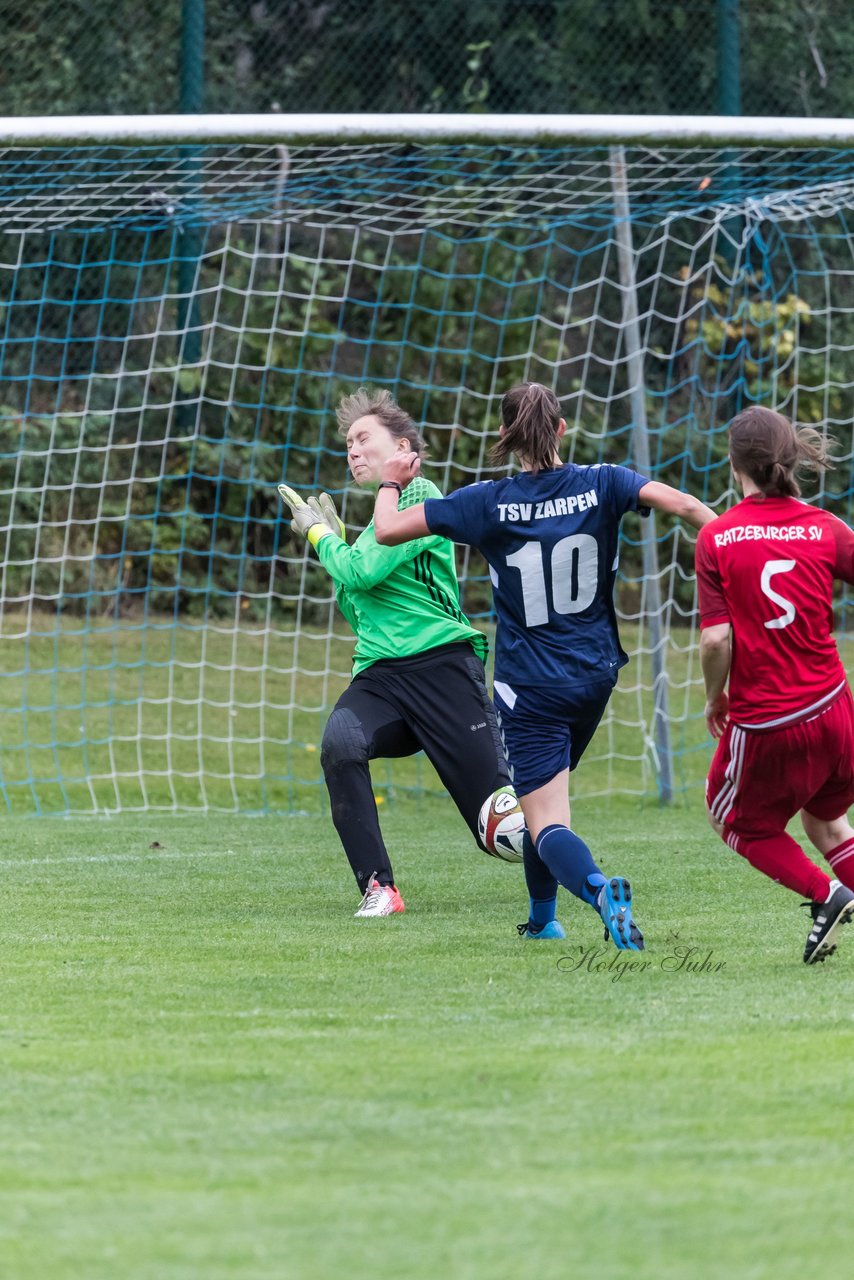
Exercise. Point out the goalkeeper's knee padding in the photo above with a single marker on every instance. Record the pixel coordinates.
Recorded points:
(344, 741)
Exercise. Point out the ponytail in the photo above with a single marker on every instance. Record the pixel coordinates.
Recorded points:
(530, 415)
(770, 450)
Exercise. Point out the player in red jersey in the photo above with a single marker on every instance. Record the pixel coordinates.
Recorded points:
(777, 696)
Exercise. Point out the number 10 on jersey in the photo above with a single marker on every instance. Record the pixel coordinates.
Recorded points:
(570, 570)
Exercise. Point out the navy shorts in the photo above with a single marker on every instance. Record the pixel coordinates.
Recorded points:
(545, 729)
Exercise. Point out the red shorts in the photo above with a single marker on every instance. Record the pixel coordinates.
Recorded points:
(759, 781)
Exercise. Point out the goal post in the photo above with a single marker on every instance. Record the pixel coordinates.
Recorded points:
(184, 300)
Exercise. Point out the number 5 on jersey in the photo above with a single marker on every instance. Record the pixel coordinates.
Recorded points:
(771, 568)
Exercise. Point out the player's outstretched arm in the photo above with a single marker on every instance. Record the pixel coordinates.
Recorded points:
(362, 566)
(390, 525)
(663, 497)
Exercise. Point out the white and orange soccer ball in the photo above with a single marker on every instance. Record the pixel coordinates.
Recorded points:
(501, 825)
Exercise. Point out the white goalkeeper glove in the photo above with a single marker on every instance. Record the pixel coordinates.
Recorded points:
(325, 508)
(306, 519)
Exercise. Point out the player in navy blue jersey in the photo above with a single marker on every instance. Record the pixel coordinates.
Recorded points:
(549, 535)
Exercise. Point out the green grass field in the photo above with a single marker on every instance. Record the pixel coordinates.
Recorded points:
(209, 1069)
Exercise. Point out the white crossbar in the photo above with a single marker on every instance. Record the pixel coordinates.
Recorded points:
(278, 127)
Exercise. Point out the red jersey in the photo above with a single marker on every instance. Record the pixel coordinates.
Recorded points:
(767, 567)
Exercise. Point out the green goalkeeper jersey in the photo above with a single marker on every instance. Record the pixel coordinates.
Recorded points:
(399, 600)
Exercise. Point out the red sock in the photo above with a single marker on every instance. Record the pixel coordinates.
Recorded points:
(842, 860)
(781, 858)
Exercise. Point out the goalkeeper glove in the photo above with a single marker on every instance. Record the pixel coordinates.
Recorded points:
(305, 519)
(325, 508)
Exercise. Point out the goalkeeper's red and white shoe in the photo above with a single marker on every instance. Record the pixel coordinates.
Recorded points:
(380, 900)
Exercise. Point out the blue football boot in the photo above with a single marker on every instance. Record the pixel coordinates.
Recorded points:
(551, 929)
(614, 905)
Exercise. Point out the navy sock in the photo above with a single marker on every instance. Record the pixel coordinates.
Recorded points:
(570, 861)
(591, 888)
(542, 886)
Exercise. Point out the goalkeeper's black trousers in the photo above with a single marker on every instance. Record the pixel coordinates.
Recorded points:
(436, 702)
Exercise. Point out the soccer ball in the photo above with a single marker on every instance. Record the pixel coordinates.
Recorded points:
(501, 825)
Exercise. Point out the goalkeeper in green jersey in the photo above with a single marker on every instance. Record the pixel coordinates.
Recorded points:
(418, 674)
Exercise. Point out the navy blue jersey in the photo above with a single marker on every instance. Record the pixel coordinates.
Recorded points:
(550, 541)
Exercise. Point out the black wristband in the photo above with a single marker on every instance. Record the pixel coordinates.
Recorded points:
(389, 484)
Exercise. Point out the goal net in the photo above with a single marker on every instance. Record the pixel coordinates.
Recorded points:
(178, 323)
